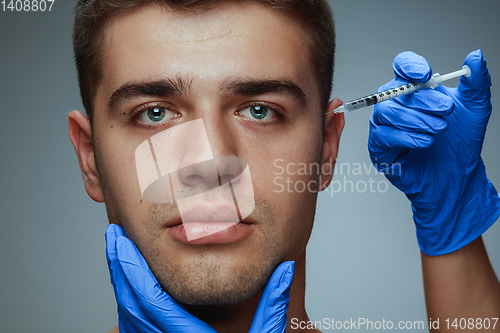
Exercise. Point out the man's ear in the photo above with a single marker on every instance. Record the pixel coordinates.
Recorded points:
(334, 124)
(80, 134)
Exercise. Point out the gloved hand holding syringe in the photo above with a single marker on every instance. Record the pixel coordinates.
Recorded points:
(405, 89)
(428, 144)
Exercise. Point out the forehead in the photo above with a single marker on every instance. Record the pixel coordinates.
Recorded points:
(236, 39)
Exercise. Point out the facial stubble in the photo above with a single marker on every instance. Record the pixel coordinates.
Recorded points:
(212, 277)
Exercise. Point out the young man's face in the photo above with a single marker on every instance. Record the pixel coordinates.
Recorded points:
(245, 71)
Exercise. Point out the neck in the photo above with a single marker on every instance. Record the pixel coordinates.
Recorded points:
(239, 317)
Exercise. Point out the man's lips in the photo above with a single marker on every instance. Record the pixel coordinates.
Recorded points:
(209, 223)
(178, 221)
(199, 233)
(206, 212)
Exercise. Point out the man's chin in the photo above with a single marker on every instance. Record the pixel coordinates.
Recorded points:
(209, 282)
(226, 297)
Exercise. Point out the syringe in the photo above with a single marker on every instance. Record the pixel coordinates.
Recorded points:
(409, 88)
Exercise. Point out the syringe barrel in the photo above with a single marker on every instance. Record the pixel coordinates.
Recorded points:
(383, 96)
(360, 103)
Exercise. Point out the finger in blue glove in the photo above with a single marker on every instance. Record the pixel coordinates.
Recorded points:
(128, 306)
(270, 315)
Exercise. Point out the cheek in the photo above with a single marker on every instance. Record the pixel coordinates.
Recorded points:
(118, 175)
(284, 172)
(291, 156)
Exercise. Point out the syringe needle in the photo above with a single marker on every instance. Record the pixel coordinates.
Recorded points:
(406, 89)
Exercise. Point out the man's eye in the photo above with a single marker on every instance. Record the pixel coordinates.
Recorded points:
(156, 115)
(258, 112)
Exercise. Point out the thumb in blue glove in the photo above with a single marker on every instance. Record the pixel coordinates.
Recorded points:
(144, 307)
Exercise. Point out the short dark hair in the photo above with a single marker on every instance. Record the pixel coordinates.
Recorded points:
(91, 17)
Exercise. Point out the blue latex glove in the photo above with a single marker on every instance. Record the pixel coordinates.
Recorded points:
(429, 144)
(144, 307)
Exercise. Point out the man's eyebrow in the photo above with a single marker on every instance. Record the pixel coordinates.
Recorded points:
(252, 87)
(160, 88)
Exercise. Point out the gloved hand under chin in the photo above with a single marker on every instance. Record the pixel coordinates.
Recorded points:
(429, 144)
(144, 307)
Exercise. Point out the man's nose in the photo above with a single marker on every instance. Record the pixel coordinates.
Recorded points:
(212, 173)
(229, 167)
(202, 175)
(224, 166)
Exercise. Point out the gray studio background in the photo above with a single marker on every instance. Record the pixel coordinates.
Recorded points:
(363, 258)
